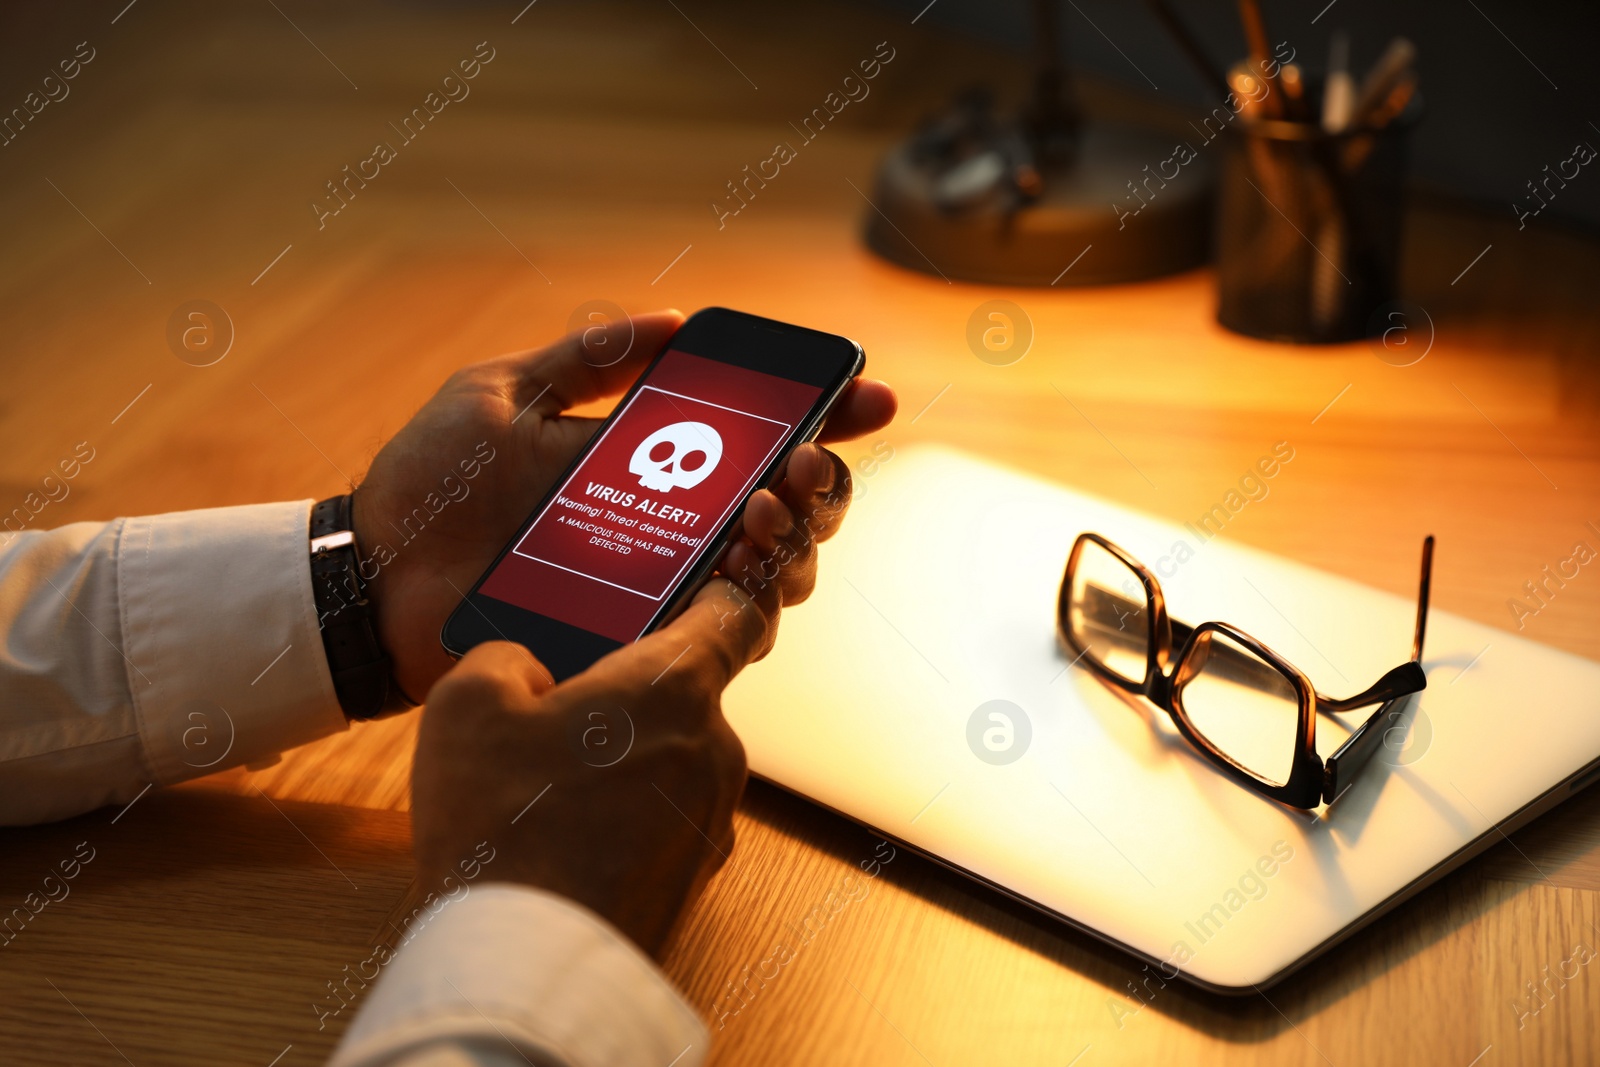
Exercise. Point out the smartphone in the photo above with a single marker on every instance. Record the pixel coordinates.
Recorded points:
(640, 520)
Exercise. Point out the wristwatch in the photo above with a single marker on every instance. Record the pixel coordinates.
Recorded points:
(360, 668)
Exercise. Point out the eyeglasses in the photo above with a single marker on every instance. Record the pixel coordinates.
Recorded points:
(1246, 708)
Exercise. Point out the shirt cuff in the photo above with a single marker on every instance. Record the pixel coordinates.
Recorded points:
(518, 967)
(224, 651)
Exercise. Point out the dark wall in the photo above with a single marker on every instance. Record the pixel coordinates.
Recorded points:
(1503, 99)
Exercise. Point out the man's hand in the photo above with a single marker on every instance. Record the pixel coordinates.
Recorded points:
(615, 788)
(502, 421)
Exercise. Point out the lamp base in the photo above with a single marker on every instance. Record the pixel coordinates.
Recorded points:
(1087, 228)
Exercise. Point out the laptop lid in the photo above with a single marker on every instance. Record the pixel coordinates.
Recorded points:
(935, 613)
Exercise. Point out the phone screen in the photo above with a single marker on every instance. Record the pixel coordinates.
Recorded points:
(646, 501)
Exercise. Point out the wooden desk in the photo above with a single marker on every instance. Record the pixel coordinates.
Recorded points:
(582, 167)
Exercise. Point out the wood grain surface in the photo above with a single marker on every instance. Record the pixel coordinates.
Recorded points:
(183, 166)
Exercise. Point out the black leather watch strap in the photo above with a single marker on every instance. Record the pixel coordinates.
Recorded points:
(360, 669)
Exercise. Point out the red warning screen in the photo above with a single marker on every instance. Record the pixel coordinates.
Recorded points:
(647, 500)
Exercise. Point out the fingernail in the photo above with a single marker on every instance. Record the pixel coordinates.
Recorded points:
(735, 561)
(783, 518)
(821, 477)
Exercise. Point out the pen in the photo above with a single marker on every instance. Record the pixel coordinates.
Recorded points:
(1294, 88)
(1247, 87)
(1380, 82)
(1255, 34)
(1394, 103)
(1357, 150)
(1339, 95)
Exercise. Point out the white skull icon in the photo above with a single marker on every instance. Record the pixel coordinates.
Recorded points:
(679, 456)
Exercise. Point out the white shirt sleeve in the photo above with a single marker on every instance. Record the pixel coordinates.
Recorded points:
(512, 975)
(146, 651)
(150, 650)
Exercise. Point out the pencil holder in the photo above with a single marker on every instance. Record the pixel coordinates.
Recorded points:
(1308, 228)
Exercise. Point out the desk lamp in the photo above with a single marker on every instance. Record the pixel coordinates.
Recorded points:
(1044, 198)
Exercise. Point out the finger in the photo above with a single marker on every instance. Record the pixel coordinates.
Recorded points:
(776, 549)
(763, 579)
(563, 438)
(499, 671)
(767, 519)
(765, 586)
(784, 528)
(816, 488)
(591, 363)
(867, 405)
(720, 631)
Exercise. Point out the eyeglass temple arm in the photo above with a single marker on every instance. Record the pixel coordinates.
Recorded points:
(1403, 680)
(1343, 766)
(1408, 677)
(1247, 670)
(1105, 607)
